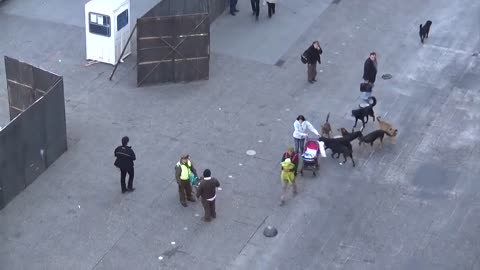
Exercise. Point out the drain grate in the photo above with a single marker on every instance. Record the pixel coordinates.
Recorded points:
(280, 63)
(387, 76)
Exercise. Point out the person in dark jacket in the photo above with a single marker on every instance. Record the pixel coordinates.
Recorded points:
(255, 8)
(369, 74)
(208, 191)
(233, 7)
(313, 56)
(125, 157)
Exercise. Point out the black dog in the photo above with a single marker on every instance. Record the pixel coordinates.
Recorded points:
(424, 30)
(339, 148)
(367, 111)
(373, 136)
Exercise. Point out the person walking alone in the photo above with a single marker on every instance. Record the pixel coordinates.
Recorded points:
(313, 56)
(183, 171)
(271, 7)
(300, 127)
(207, 190)
(124, 161)
(255, 8)
(369, 74)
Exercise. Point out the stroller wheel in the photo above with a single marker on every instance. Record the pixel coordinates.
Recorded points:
(314, 174)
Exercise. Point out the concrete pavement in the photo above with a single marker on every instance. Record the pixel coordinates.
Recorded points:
(411, 205)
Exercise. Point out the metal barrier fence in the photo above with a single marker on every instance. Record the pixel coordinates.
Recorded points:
(36, 135)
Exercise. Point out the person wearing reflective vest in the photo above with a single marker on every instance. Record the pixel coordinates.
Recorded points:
(183, 171)
(288, 178)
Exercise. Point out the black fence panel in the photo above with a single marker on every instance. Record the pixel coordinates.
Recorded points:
(173, 48)
(37, 135)
(173, 40)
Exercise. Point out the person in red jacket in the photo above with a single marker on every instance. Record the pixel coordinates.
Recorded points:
(207, 190)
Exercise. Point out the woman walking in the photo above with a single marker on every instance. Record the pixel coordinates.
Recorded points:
(300, 127)
(288, 179)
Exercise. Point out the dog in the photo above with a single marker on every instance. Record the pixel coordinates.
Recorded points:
(339, 148)
(424, 30)
(367, 111)
(350, 135)
(387, 127)
(373, 136)
(327, 128)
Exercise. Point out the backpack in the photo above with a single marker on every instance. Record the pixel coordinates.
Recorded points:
(304, 57)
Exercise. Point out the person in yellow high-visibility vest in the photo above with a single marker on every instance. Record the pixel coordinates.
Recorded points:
(183, 171)
(288, 178)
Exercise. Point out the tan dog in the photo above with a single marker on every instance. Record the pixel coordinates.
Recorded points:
(326, 128)
(387, 127)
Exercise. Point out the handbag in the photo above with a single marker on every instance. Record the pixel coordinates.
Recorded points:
(304, 58)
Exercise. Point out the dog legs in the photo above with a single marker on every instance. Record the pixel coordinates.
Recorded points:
(356, 120)
(353, 161)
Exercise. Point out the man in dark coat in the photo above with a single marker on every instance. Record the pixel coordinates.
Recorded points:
(370, 68)
(233, 7)
(125, 157)
(313, 56)
(255, 8)
(369, 74)
(208, 191)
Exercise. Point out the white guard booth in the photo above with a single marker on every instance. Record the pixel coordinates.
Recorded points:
(107, 28)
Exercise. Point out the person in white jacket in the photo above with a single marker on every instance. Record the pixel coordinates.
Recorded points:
(300, 127)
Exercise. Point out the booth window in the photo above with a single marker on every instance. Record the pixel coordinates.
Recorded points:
(122, 20)
(99, 24)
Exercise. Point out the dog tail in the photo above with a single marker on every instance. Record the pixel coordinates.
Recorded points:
(328, 116)
(374, 101)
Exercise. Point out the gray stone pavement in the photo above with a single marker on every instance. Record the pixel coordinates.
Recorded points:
(412, 205)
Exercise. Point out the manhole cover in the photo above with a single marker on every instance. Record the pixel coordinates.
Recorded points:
(270, 231)
(251, 152)
(387, 76)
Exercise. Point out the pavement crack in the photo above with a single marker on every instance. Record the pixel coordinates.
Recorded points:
(253, 234)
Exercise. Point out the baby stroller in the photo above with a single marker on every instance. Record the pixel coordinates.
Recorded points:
(310, 157)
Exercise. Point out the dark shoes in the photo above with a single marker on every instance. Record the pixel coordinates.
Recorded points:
(206, 220)
(232, 13)
(236, 10)
(184, 204)
(131, 189)
(311, 81)
(124, 191)
(191, 199)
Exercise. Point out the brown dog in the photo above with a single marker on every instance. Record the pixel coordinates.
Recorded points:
(326, 128)
(387, 127)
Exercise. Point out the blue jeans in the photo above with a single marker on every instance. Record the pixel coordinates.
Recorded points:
(299, 145)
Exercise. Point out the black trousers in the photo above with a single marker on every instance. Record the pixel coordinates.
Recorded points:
(255, 7)
(271, 9)
(123, 174)
(233, 5)
(209, 207)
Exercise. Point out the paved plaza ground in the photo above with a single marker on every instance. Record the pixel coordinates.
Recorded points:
(414, 204)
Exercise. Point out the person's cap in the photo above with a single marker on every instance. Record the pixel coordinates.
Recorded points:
(184, 156)
(207, 173)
